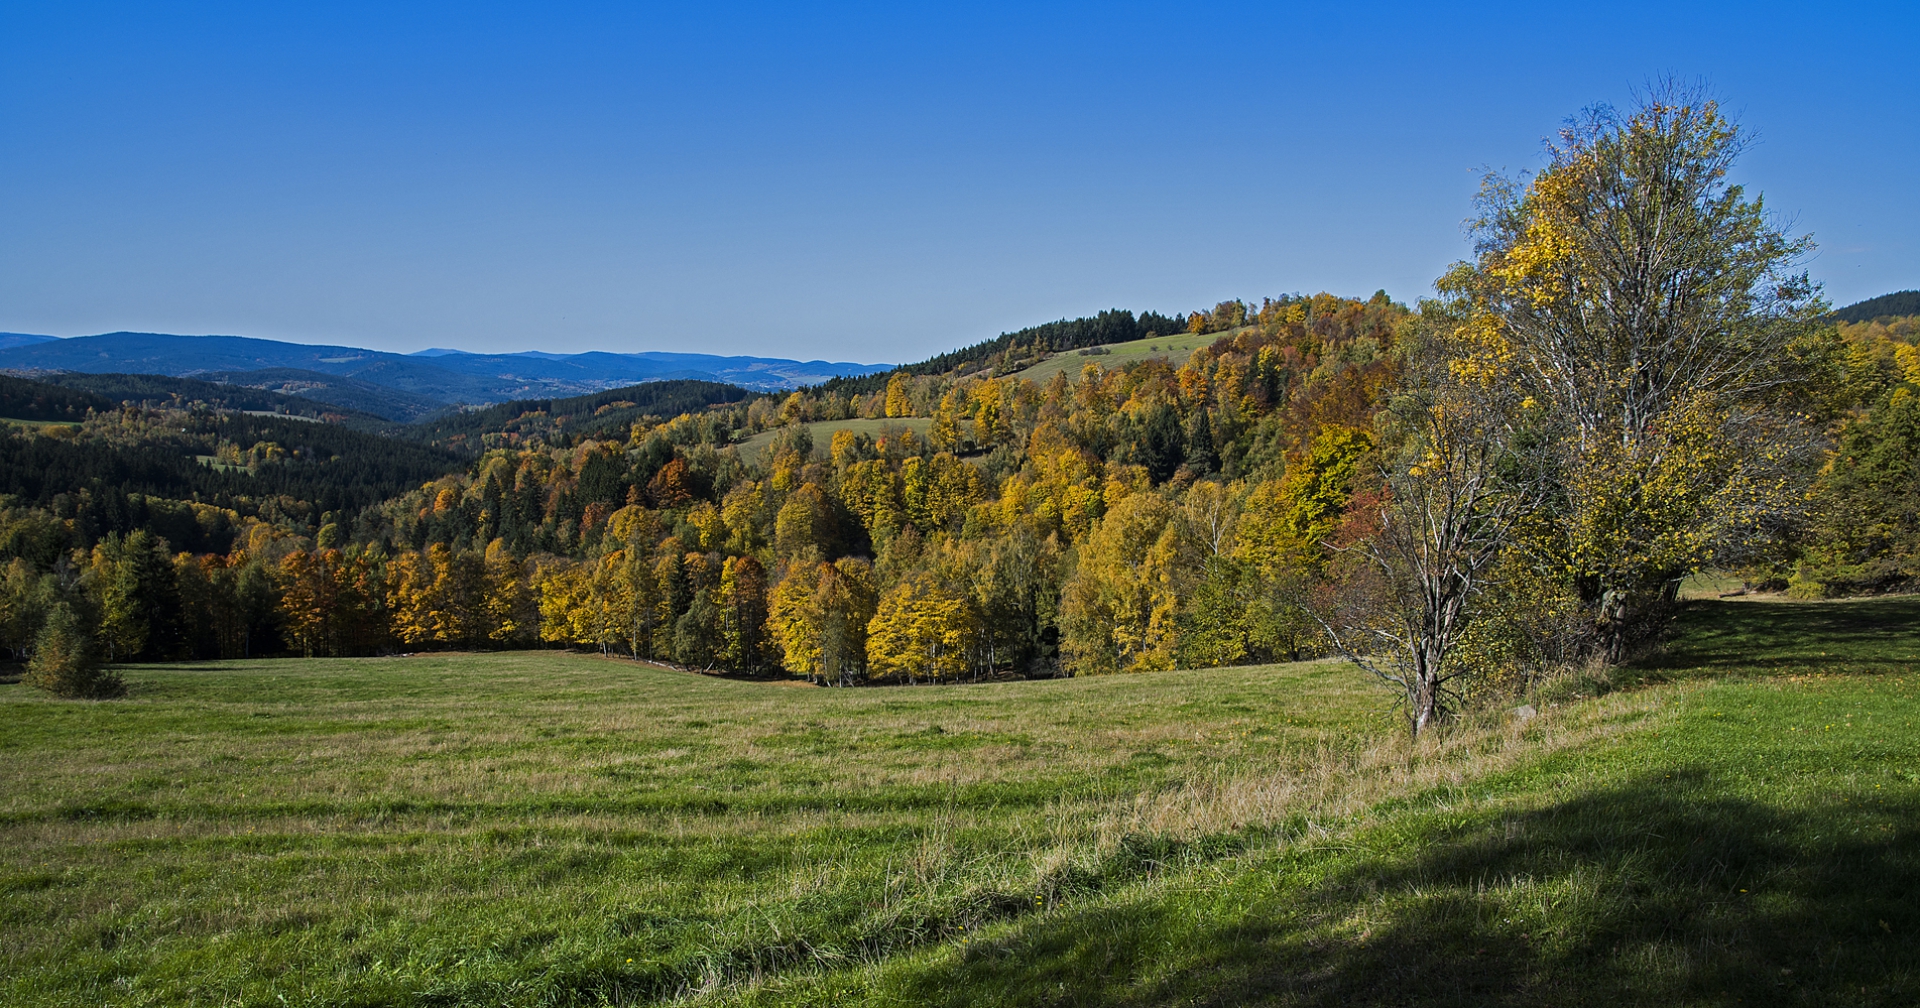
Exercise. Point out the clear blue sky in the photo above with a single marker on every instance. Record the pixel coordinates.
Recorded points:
(857, 183)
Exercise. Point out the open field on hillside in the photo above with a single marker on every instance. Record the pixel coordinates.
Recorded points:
(41, 425)
(1176, 348)
(1736, 826)
(823, 430)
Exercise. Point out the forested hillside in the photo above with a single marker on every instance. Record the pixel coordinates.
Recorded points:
(557, 420)
(1142, 516)
(1886, 306)
(161, 391)
(1468, 485)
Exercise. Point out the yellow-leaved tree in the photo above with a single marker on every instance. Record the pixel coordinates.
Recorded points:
(1656, 318)
(743, 614)
(438, 598)
(920, 629)
(818, 615)
(898, 402)
(1120, 611)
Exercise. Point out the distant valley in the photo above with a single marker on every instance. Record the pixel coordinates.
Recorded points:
(397, 386)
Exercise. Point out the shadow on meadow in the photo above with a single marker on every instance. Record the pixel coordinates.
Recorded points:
(1852, 636)
(1656, 892)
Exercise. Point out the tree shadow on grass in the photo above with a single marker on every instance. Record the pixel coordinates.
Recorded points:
(1854, 636)
(1657, 892)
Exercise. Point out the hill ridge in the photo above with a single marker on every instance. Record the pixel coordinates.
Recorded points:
(416, 385)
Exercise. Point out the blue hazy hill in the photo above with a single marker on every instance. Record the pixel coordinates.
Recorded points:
(354, 378)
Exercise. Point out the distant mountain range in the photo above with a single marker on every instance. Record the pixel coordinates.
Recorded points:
(398, 386)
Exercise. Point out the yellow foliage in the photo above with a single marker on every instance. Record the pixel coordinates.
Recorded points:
(1118, 612)
(898, 403)
(920, 628)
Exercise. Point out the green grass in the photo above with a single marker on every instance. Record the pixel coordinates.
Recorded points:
(1176, 348)
(1736, 827)
(823, 430)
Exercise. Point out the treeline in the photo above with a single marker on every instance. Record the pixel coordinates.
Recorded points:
(1863, 535)
(1886, 306)
(1009, 351)
(31, 400)
(1149, 516)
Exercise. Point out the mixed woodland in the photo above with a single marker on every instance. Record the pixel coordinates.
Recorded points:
(1460, 494)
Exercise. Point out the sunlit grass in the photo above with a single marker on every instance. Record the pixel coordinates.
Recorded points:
(541, 828)
(1175, 348)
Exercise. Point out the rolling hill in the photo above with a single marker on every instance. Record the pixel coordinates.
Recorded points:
(162, 390)
(399, 386)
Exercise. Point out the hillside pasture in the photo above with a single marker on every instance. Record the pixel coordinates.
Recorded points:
(1176, 348)
(823, 430)
(546, 828)
(44, 426)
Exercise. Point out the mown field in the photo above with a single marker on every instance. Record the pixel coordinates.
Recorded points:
(1733, 823)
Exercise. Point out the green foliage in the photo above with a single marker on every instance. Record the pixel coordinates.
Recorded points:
(175, 455)
(1657, 320)
(32, 400)
(1011, 349)
(1866, 533)
(64, 663)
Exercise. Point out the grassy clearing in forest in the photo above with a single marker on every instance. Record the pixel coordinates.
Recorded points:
(822, 432)
(540, 828)
(1176, 348)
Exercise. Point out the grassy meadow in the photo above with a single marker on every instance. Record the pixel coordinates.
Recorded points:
(1176, 348)
(1733, 822)
(822, 432)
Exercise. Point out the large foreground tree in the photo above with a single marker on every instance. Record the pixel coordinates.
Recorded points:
(1656, 314)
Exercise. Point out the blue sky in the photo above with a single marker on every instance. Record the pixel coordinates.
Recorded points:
(871, 183)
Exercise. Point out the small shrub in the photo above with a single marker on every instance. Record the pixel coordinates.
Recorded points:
(64, 662)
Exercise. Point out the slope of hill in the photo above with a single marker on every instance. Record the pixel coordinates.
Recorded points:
(754, 449)
(1173, 349)
(21, 399)
(1022, 347)
(184, 472)
(1898, 303)
(14, 339)
(612, 411)
(163, 391)
(336, 391)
